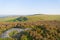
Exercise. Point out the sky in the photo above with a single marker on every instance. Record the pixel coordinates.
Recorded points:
(28, 7)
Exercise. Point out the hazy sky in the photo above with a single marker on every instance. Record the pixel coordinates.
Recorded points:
(26, 7)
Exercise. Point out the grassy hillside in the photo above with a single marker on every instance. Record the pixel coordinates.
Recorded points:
(43, 17)
(8, 18)
(31, 18)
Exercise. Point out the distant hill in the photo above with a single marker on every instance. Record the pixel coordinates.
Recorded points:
(43, 17)
(36, 17)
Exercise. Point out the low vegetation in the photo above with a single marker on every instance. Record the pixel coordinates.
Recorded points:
(7, 39)
(41, 30)
(13, 33)
(43, 27)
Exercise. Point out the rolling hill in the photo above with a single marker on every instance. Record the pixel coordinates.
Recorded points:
(29, 18)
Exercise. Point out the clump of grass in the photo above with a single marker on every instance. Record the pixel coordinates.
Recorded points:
(13, 33)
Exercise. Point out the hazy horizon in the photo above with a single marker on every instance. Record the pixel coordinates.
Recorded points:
(29, 7)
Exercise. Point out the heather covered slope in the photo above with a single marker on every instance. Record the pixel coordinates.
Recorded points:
(40, 30)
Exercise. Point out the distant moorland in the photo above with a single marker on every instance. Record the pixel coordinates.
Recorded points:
(36, 17)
